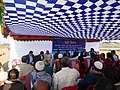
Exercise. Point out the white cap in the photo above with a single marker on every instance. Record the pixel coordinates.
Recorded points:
(98, 65)
(40, 65)
(60, 56)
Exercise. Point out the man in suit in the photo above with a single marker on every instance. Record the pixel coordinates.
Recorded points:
(30, 57)
(39, 57)
(66, 54)
(75, 54)
(83, 53)
(56, 54)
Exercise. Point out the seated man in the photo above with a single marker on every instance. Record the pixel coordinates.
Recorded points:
(104, 84)
(112, 74)
(24, 68)
(66, 76)
(75, 53)
(13, 82)
(92, 77)
(41, 85)
(55, 56)
(40, 74)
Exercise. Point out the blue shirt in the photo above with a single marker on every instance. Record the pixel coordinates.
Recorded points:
(35, 76)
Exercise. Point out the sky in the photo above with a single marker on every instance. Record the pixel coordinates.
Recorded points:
(2, 39)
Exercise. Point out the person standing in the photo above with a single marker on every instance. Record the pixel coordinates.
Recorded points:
(115, 56)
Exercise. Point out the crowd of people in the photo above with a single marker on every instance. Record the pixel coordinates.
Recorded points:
(36, 73)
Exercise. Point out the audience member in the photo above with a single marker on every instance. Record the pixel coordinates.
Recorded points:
(48, 57)
(40, 74)
(93, 58)
(13, 82)
(112, 74)
(57, 63)
(115, 56)
(66, 76)
(41, 85)
(112, 78)
(104, 84)
(30, 57)
(109, 57)
(102, 57)
(24, 68)
(109, 60)
(92, 77)
(82, 66)
(82, 62)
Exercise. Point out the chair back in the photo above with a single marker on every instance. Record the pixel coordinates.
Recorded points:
(23, 78)
(75, 87)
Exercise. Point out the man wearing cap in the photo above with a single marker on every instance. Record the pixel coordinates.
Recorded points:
(92, 77)
(40, 74)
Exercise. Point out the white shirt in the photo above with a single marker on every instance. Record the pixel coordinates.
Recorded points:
(31, 58)
(65, 77)
(24, 69)
(115, 57)
(48, 57)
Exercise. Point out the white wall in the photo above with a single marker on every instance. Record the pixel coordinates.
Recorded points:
(95, 45)
(23, 47)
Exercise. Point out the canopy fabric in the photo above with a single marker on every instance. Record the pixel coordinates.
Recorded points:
(87, 19)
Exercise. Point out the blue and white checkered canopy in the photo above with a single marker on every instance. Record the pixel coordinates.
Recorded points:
(89, 19)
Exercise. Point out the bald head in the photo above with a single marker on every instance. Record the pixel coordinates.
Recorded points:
(41, 85)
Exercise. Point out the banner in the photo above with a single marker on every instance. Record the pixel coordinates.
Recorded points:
(64, 44)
